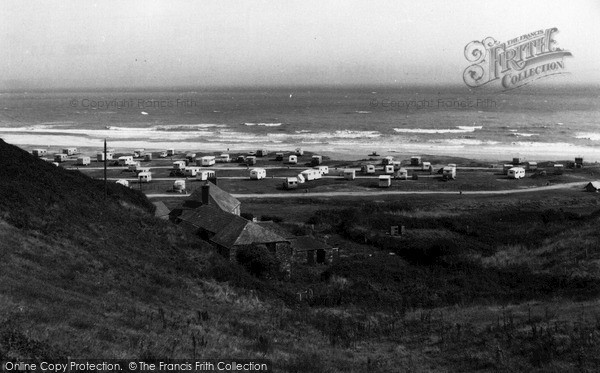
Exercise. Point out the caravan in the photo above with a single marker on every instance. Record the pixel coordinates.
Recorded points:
(125, 160)
(323, 170)
(349, 174)
(83, 161)
(311, 174)
(205, 175)
(145, 177)
(207, 161)
(258, 173)
(516, 173)
(290, 183)
(449, 173)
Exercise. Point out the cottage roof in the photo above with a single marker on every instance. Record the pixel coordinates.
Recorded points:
(208, 217)
(217, 196)
(244, 232)
(162, 211)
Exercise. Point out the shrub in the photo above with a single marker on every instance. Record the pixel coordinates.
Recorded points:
(258, 261)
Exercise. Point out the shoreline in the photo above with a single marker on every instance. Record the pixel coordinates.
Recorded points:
(540, 153)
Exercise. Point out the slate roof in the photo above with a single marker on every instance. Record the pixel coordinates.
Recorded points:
(162, 211)
(244, 232)
(217, 196)
(208, 217)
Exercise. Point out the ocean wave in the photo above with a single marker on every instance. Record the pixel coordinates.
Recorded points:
(525, 134)
(263, 124)
(458, 129)
(189, 127)
(594, 136)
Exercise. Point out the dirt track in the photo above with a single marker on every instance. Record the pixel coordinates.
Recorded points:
(386, 192)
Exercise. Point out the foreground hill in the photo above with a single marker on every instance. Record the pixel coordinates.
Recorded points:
(82, 275)
(88, 276)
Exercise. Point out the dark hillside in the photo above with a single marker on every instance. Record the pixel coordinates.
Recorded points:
(88, 276)
(32, 188)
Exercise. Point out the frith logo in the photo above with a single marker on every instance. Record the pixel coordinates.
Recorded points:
(516, 62)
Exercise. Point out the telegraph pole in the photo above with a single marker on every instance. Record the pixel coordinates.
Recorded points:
(105, 184)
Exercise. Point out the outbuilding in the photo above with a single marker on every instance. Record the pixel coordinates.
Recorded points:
(258, 173)
(385, 181)
(388, 169)
(425, 166)
(293, 159)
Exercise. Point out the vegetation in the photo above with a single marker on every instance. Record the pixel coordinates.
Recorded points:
(506, 288)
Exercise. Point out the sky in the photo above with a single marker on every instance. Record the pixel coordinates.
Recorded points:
(159, 43)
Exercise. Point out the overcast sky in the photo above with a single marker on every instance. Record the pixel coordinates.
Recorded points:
(80, 43)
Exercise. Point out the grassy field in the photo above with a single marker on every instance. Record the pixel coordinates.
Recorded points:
(477, 282)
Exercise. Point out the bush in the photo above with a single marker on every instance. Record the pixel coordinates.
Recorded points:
(274, 218)
(258, 261)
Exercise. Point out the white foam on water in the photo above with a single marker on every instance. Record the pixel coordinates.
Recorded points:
(263, 124)
(594, 136)
(458, 129)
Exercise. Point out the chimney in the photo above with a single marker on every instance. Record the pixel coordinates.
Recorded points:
(205, 193)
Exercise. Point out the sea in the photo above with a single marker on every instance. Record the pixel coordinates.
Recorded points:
(542, 122)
